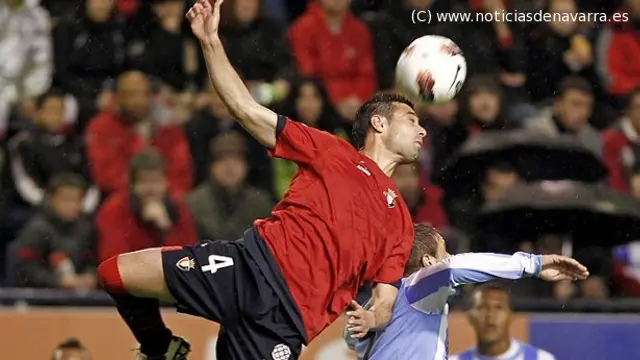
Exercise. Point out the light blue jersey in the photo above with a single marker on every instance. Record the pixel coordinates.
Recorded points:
(516, 351)
(418, 328)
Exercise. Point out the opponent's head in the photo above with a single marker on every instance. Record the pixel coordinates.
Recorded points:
(388, 123)
(428, 248)
(71, 349)
(490, 313)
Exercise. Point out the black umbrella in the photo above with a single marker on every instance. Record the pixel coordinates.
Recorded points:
(594, 215)
(534, 156)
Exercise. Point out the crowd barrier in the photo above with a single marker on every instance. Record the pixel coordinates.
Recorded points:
(31, 332)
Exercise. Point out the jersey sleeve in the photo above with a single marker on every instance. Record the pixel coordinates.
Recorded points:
(393, 269)
(467, 269)
(300, 143)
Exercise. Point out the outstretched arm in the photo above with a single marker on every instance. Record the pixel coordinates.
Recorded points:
(256, 119)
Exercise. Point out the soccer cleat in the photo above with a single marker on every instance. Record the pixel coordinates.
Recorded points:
(179, 348)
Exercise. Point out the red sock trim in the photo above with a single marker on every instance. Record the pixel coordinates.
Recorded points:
(170, 248)
(109, 276)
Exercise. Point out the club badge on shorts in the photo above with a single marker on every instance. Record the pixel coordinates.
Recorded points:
(391, 196)
(186, 264)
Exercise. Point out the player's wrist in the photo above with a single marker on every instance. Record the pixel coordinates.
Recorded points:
(531, 264)
(211, 41)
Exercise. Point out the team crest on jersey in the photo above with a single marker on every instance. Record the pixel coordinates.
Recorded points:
(391, 196)
(186, 264)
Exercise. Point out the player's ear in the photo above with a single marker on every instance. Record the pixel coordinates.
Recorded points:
(378, 123)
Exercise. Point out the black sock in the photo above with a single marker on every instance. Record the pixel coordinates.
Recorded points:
(143, 317)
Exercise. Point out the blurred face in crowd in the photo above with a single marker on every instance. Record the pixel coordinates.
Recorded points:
(407, 180)
(418, 4)
(485, 106)
(497, 182)
(134, 95)
(309, 104)
(66, 202)
(230, 171)
(99, 10)
(633, 111)
(491, 315)
(594, 288)
(633, 6)
(172, 8)
(561, 27)
(246, 11)
(635, 185)
(51, 114)
(403, 134)
(72, 354)
(444, 114)
(335, 7)
(150, 184)
(574, 109)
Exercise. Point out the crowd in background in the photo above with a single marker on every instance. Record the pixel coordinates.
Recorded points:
(114, 141)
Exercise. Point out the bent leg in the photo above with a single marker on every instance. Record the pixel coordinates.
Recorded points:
(136, 283)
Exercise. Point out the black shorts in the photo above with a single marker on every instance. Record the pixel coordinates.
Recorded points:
(234, 283)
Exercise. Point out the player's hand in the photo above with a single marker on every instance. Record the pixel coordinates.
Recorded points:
(359, 321)
(205, 18)
(558, 267)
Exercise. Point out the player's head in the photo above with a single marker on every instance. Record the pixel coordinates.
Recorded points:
(147, 175)
(490, 313)
(428, 248)
(71, 349)
(388, 123)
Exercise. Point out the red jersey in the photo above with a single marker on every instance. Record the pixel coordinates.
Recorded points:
(341, 223)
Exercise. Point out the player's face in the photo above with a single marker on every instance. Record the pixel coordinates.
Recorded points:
(150, 184)
(405, 136)
(491, 315)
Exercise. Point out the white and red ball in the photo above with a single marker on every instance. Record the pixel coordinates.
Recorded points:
(432, 69)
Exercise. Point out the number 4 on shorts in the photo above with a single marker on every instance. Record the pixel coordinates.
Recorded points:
(217, 262)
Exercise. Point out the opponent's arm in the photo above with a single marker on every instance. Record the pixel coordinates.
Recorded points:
(256, 119)
(377, 316)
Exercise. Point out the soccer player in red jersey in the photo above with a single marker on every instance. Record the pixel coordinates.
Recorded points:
(340, 225)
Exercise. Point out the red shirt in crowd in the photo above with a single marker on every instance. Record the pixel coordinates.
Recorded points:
(617, 154)
(120, 230)
(621, 45)
(341, 223)
(112, 143)
(342, 60)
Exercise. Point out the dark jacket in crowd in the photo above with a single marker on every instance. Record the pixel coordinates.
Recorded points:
(45, 242)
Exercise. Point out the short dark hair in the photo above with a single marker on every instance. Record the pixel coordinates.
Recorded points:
(62, 180)
(491, 286)
(69, 344)
(573, 82)
(147, 160)
(51, 93)
(381, 104)
(425, 243)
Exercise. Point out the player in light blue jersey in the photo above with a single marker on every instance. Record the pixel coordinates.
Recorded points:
(418, 329)
(491, 315)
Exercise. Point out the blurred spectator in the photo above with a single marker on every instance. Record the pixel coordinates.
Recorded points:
(26, 53)
(144, 215)
(635, 180)
(569, 114)
(213, 119)
(258, 48)
(482, 106)
(226, 206)
(330, 43)
(619, 43)
(619, 143)
(114, 137)
(56, 247)
(557, 49)
(423, 198)
(89, 53)
(158, 44)
(45, 149)
(71, 349)
(308, 103)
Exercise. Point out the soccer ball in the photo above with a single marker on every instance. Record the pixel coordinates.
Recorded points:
(431, 70)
